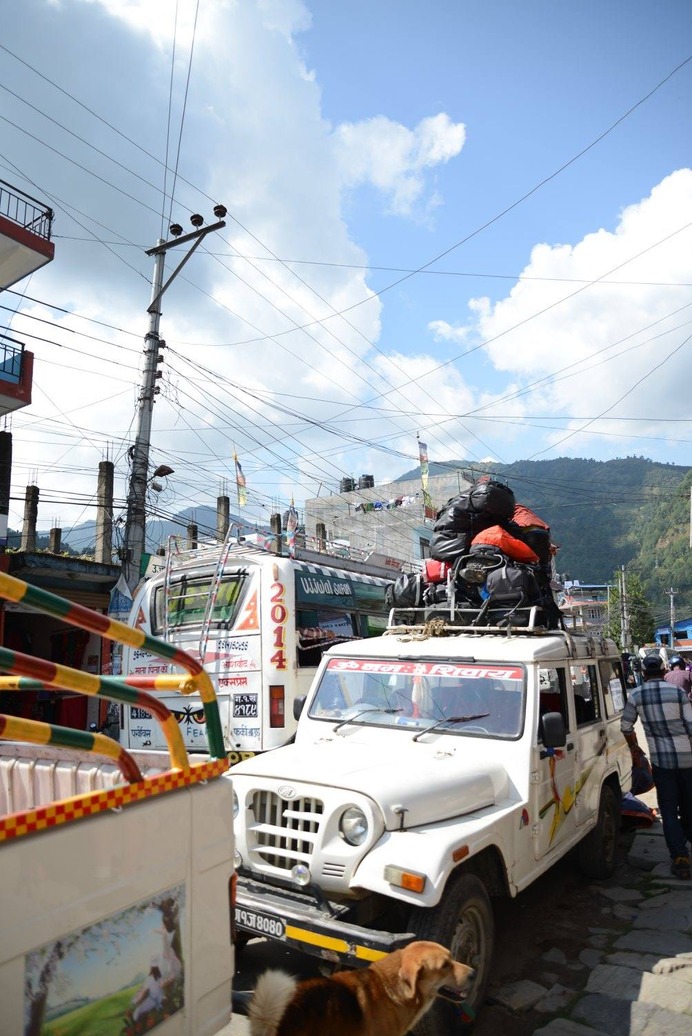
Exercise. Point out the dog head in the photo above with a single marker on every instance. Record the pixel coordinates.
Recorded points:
(425, 967)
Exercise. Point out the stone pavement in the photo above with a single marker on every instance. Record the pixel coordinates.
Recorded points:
(640, 982)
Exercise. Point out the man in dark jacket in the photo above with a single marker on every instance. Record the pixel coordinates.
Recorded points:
(678, 675)
(666, 715)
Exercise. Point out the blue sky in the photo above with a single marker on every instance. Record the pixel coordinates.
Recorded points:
(353, 143)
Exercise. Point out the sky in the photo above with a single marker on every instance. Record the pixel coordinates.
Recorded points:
(461, 221)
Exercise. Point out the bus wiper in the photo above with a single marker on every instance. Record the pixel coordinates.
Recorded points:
(351, 719)
(449, 719)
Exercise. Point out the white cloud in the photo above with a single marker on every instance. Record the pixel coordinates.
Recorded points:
(254, 138)
(442, 331)
(546, 324)
(394, 158)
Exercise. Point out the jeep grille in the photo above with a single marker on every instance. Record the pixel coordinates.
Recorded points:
(285, 830)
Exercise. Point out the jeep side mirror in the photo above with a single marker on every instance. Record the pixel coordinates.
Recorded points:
(299, 705)
(554, 733)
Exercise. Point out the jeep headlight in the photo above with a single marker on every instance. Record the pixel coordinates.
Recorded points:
(353, 826)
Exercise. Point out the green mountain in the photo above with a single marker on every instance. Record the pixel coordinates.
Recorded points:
(604, 514)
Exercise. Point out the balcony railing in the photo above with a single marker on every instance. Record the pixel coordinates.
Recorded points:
(26, 211)
(11, 354)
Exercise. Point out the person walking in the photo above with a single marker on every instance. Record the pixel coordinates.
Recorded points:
(678, 675)
(666, 715)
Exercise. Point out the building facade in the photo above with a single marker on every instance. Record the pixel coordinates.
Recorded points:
(392, 518)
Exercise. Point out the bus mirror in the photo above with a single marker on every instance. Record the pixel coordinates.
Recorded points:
(298, 705)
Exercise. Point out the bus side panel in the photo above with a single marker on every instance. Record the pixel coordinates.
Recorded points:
(279, 654)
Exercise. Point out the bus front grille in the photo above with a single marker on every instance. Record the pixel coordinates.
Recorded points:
(285, 830)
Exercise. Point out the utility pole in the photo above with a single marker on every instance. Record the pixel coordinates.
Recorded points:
(624, 613)
(135, 523)
(672, 594)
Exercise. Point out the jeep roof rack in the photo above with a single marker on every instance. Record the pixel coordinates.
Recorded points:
(421, 623)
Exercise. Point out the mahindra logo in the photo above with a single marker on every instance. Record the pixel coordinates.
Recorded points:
(287, 792)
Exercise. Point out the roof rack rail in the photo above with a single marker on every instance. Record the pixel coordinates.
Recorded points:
(426, 622)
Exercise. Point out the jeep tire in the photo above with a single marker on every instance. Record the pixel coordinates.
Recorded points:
(462, 921)
(598, 851)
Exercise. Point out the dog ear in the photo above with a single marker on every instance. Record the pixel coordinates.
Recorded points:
(408, 976)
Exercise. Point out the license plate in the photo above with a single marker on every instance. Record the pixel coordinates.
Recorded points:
(260, 924)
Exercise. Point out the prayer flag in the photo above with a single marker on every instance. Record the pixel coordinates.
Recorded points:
(240, 482)
(291, 526)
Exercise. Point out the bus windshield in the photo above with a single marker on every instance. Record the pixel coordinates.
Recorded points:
(410, 695)
(187, 597)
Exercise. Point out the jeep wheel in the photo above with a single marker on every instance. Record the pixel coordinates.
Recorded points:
(463, 921)
(597, 852)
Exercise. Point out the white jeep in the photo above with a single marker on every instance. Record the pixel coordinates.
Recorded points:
(430, 773)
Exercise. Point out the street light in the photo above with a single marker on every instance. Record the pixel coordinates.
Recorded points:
(135, 523)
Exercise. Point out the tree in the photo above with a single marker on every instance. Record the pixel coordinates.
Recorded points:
(641, 618)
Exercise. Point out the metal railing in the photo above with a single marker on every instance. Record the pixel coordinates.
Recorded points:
(26, 211)
(11, 355)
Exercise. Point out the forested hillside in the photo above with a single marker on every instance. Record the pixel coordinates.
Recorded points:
(605, 514)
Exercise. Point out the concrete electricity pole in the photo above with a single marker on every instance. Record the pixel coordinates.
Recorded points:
(135, 523)
(672, 594)
(625, 635)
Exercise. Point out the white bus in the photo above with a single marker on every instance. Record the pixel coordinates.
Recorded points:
(260, 623)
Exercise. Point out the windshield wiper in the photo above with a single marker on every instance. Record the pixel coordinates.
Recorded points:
(449, 719)
(351, 719)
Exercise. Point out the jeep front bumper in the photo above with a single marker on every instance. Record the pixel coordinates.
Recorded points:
(297, 919)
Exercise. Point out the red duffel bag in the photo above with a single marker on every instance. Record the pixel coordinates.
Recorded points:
(499, 538)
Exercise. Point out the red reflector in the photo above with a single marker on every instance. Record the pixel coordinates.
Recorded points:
(276, 705)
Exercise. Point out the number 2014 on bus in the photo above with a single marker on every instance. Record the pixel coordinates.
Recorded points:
(279, 615)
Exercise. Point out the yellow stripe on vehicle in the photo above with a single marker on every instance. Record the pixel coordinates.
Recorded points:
(363, 953)
(328, 942)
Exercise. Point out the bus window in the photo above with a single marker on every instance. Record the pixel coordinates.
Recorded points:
(187, 602)
(372, 625)
(318, 630)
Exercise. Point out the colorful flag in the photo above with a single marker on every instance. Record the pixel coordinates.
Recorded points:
(241, 484)
(291, 526)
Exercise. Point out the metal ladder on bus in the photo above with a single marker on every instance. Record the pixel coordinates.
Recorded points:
(213, 592)
(173, 551)
(172, 542)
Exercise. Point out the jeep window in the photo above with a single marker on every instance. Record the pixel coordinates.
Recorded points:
(587, 706)
(409, 695)
(552, 684)
(613, 683)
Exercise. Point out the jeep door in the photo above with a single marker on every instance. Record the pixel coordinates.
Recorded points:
(553, 774)
(591, 740)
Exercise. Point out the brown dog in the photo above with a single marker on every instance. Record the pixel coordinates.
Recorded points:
(385, 999)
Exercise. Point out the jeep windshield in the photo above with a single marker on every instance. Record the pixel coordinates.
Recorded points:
(411, 695)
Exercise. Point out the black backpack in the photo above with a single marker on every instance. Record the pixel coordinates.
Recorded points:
(406, 592)
(488, 496)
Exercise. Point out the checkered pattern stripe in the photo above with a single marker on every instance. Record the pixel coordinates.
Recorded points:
(15, 825)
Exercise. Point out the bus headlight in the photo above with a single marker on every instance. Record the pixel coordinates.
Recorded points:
(353, 826)
(236, 806)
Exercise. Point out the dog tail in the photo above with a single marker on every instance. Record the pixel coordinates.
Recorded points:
(273, 992)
